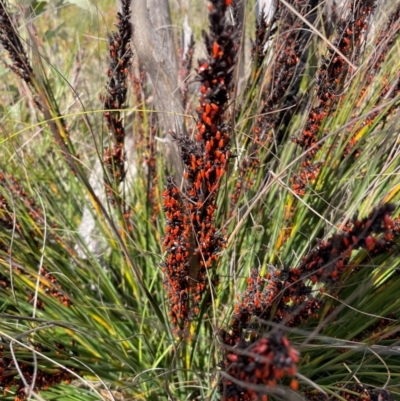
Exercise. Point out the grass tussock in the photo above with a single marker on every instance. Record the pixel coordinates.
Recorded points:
(243, 247)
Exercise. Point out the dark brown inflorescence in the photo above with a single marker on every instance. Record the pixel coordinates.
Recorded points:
(258, 47)
(330, 81)
(374, 233)
(176, 244)
(385, 40)
(288, 52)
(286, 296)
(42, 96)
(212, 137)
(206, 161)
(117, 86)
(256, 302)
(11, 41)
(53, 288)
(262, 363)
(38, 379)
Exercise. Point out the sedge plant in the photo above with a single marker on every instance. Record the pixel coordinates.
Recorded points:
(243, 248)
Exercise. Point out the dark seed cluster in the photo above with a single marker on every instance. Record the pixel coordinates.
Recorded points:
(117, 86)
(205, 170)
(51, 288)
(288, 289)
(258, 52)
(176, 265)
(42, 97)
(385, 40)
(287, 51)
(10, 40)
(288, 292)
(374, 233)
(249, 163)
(330, 80)
(256, 301)
(41, 380)
(205, 158)
(263, 362)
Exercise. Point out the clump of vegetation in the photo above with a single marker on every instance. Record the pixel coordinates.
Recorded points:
(236, 237)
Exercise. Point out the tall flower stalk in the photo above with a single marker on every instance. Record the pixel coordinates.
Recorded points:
(193, 241)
